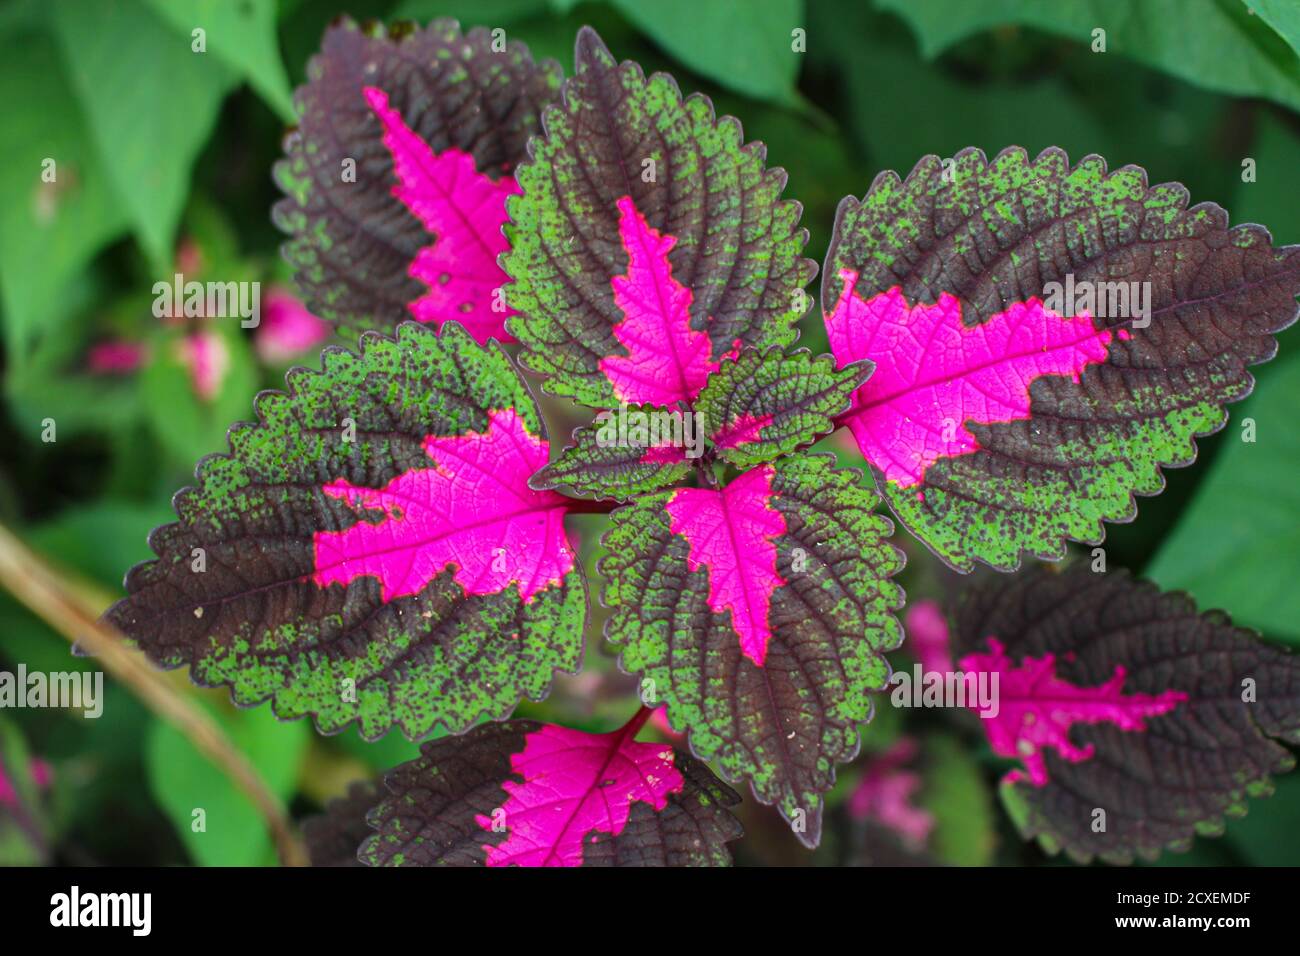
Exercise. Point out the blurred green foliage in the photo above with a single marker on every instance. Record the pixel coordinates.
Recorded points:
(163, 155)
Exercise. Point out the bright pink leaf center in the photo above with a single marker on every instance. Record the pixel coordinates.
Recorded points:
(1037, 708)
(732, 533)
(473, 510)
(667, 360)
(934, 374)
(464, 210)
(575, 784)
(741, 431)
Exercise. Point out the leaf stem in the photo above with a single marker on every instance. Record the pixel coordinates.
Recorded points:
(633, 726)
(32, 581)
(588, 506)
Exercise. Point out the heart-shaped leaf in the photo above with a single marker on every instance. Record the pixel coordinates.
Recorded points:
(1045, 339)
(760, 613)
(529, 794)
(397, 176)
(370, 550)
(1139, 722)
(649, 242)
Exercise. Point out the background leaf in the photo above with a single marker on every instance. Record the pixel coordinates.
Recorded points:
(184, 781)
(1216, 44)
(242, 35)
(745, 45)
(1233, 546)
(150, 104)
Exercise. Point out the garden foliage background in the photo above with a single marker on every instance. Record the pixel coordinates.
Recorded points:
(164, 160)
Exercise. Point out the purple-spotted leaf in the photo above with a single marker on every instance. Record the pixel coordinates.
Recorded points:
(1139, 722)
(1046, 338)
(370, 549)
(760, 614)
(334, 837)
(521, 793)
(761, 405)
(635, 450)
(649, 241)
(397, 176)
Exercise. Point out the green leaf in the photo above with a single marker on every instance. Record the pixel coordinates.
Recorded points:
(229, 831)
(243, 36)
(990, 447)
(1212, 43)
(1282, 15)
(188, 424)
(369, 550)
(48, 230)
(1235, 545)
(960, 801)
(762, 405)
(760, 615)
(619, 466)
(150, 103)
(627, 165)
(746, 45)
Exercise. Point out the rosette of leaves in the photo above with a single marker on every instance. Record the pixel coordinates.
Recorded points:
(386, 543)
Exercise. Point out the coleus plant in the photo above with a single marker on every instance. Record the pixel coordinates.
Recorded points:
(386, 544)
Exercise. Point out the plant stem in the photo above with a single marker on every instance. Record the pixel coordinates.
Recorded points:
(585, 506)
(31, 580)
(633, 726)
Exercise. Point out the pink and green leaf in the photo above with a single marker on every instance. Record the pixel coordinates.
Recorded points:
(397, 175)
(649, 241)
(602, 462)
(761, 613)
(370, 549)
(1120, 698)
(762, 405)
(997, 426)
(521, 793)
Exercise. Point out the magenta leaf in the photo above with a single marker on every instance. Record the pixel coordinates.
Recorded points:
(464, 211)
(667, 361)
(1123, 701)
(649, 241)
(731, 533)
(759, 614)
(522, 793)
(1046, 339)
(370, 549)
(1036, 709)
(397, 176)
(472, 511)
(980, 374)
